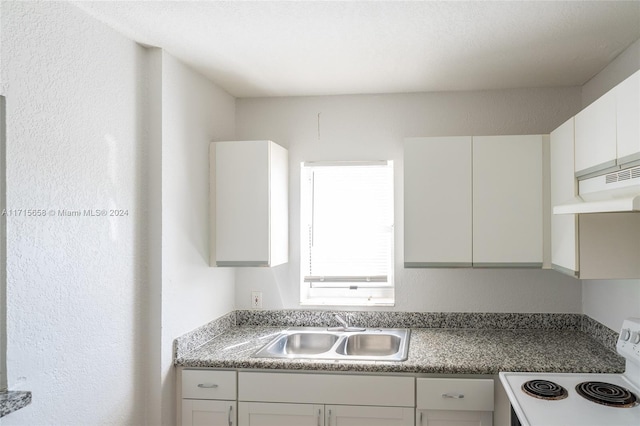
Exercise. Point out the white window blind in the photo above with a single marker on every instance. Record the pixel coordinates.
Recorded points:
(347, 233)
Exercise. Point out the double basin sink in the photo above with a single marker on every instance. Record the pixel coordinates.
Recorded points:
(390, 344)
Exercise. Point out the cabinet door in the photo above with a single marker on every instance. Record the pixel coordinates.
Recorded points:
(437, 202)
(453, 418)
(564, 227)
(242, 202)
(628, 117)
(200, 412)
(275, 414)
(345, 415)
(507, 201)
(596, 136)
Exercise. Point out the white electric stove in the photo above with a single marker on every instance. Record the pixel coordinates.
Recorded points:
(566, 399)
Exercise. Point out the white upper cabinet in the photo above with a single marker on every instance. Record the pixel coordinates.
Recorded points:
(507, 201)
(473, 201)
(607, 132)
(249, 195)
(564, 227)
(628, 119)
(588, 246)
(595, 137)
(437, 202)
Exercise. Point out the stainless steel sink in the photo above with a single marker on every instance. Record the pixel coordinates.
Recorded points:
(305, 343)
(376, 344)
(370, 344)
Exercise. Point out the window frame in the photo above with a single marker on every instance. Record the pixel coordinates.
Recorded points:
(345, 290)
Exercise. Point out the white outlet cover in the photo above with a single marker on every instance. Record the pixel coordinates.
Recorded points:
(256, 300)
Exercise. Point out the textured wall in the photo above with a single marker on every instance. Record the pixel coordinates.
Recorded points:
(77, 293)
(97, 121)
(373, 127)
(194, 113)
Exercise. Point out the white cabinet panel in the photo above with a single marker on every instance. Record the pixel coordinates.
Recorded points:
(208, 384)
(453, 418)
(628, 119)
(437, 202)
(249, 195)
(327, 389)
(197, 412)
(346, 415)
(454, 402)
(507, 201)
(595, 136)
(270, 414)
(455, 394)
(564, 228)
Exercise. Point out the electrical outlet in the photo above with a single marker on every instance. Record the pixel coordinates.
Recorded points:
(256, 300)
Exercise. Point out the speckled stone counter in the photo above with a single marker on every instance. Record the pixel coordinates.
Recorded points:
(12, 401)
(431, 351)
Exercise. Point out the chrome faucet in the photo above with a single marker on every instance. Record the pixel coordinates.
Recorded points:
(342, 322)
(344, 325)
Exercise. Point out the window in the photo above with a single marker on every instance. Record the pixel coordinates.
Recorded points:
(347, 233)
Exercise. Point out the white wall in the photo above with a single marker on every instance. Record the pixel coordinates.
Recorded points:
(373, 127)
(3, 252)
(611, 301)
(76, 286)
(97, 121)
(194, 113)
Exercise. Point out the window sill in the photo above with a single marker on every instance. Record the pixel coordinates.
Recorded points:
(329, 303)
(11, 401)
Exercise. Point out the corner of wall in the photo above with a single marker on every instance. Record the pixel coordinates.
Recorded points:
(625, 64)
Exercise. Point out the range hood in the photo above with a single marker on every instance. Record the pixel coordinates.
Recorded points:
(608, 193)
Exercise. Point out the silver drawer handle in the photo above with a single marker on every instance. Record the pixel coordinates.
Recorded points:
(453, 395)
(207, 385)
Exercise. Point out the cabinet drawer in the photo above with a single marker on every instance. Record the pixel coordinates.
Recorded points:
(203, 384)
(455, 394)
(391, 391)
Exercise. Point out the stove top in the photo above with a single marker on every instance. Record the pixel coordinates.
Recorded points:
(568, 399)
(574, 409)
(607, 394)
(544, 389)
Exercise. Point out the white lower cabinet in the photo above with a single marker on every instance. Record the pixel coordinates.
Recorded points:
(453, 418)
(281, 414)
(208, 398)
(274, 414)
(325, 399)
(198, 412)
(256, 398)
(454, 402)
(348, 415)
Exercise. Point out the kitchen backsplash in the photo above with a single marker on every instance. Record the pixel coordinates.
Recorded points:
(369, 319)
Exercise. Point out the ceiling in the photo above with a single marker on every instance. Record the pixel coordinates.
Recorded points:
(265, 48)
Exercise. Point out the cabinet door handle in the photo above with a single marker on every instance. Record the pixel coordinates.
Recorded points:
(453, 395)
(329, 418)
(230, 415)
(319, 414)
(207, 385)
(421, 418)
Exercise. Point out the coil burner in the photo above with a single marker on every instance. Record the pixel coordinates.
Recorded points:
(544, 389)
(607, 394)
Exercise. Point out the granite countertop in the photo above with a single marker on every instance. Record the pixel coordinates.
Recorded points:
(11, 401)
(431, 351)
